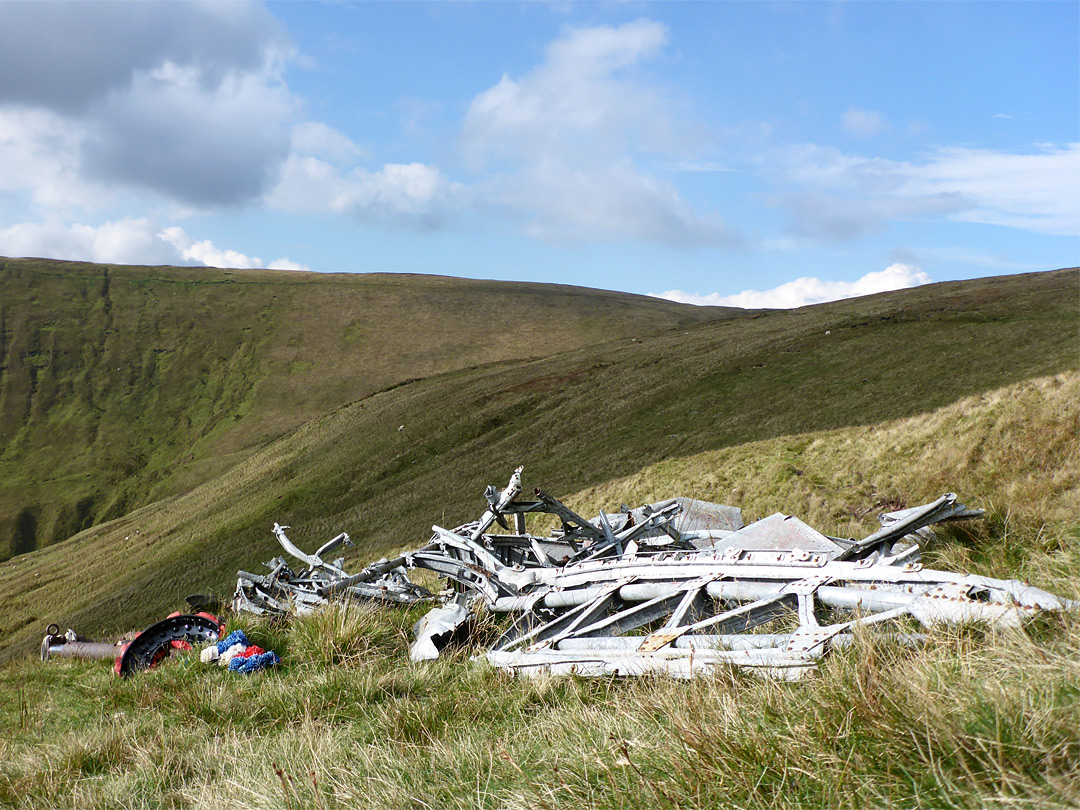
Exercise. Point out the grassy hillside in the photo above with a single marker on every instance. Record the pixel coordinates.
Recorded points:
(387, 466)
(1013, 452)
(973, 720)
(121, 385)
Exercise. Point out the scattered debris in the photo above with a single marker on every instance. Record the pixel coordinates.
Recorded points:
(156, 642)
(145, 651)
(73, 645)
(237, 654)
(680, 586)
(283, 592)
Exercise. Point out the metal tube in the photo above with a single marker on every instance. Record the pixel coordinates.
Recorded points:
(79, 649)
(759, 641)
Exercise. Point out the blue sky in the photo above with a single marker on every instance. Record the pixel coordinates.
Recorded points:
(754, 154)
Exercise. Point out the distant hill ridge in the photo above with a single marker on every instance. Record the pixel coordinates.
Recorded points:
(119, 385)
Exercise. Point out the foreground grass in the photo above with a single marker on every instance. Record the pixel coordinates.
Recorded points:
(973, 720)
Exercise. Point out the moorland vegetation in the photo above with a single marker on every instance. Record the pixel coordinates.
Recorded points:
(831, 412)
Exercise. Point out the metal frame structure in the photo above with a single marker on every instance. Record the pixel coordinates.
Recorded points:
(680, 587)
(283, 592)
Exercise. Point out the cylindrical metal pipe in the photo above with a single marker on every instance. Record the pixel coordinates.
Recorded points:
(371, 572)
(712, 642)
(572, 598)
(870, 601)
(555, 599)
(757, 641)
(79, 649)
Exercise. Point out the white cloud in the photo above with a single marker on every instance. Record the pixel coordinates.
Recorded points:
(183, 100)
(847, 196)
(131, 240)
(580, 99)
(320, 140)
(320, 175)
(126, 241)
(863, 123)
(205, 252)
(564, 141)
(68, 56)
(286, 264)
(808, 290)
(1037, 191)
(208, 254)
(307, 184)
(170, 133)
(40, 159)
(606, 203)
(413, 195)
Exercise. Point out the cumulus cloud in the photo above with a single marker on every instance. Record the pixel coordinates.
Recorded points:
(414, 195)
(208, 254)
(320, 140)
(320, 175)
(564, 140)
(839, 196)
(125, 241)
(205, 252)
(66, 56)
(131, 240)
(808, 290)
(182, 99)
(864, 123)
(582, 97)
(40, 160)
(411, 194)
(170, 134)
(287, 264)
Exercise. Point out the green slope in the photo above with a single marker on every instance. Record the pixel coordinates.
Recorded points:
(387, 466)
(120, 385)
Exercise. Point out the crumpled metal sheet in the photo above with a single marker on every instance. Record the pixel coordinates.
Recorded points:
(434, 630)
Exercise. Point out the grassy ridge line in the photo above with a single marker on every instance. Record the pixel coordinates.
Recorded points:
(121, 385)
(575, 420)
(974, 720)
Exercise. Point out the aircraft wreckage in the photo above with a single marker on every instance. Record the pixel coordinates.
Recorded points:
(680, 586)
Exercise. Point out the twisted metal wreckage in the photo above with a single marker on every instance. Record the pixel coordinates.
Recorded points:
(679, 587)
